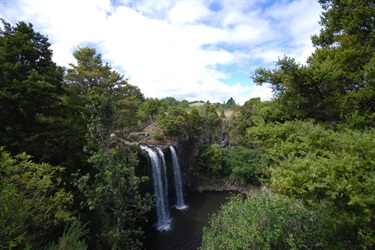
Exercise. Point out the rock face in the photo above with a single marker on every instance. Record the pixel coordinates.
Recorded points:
(151, 135)
(201, 184)
(140, 134)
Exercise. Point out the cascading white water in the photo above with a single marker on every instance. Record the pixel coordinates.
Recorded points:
(165, 180)
(162, 209)
(180, 204)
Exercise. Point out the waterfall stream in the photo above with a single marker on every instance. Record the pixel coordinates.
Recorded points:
(161, 192)
(165, 180)
(180, 204)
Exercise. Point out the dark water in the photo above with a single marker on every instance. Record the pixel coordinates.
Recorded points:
(187, 226)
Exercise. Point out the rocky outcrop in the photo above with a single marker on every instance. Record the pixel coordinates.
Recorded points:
(201, 183)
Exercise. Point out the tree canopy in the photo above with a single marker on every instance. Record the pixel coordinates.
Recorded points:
(31, 87)
(336, 84)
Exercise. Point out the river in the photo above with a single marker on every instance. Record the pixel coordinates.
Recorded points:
(187, 225)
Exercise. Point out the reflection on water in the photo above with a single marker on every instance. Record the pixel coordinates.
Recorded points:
(187, 225)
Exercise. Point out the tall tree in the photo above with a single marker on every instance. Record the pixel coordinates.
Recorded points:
(91, 73)
(111, 188)
(30, 88)
(337, 82)
(230, 103)
(243, 120)
(346, 45)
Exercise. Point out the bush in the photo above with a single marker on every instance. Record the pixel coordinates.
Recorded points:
(33, 202)
(263, 222)
(244, 164)
(159, 136)
(332, 171)
(72, 238)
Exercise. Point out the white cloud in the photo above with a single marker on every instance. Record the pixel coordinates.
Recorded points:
(188, 12)
(298, 20)
(183, 49)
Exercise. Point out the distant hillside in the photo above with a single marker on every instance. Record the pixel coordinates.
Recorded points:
(197, 103)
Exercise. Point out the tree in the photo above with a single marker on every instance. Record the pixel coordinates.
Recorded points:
(336, 82)
(91, 73)
(174, 121)
(128, 100)
(151, 107)
(298, 94)
(73, 237)
(230, 103)
(211, 159)
(211, 121)
(347, 42)
(184, 104)
(243, 120)
(171, 101)
(111, 188)
(31, 87)
(34, 203)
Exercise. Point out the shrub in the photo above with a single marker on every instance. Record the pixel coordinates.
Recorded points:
(332, 171)
(72, 238)
(159, 136)
(263, 222)
(33, 202)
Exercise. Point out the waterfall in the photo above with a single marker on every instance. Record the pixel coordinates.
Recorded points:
(159, 180)
(165, 181)
(180, 204)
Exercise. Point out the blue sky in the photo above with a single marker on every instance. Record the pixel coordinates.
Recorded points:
(188, 49)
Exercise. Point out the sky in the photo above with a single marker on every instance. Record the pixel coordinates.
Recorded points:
(188, 49)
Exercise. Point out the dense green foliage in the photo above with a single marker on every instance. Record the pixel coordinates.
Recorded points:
(150, 108)
(244, 119)
(316, 137)
(263, 222)
(65, 154)
(174, 121)
(30, 93)
(337, 82)
(77, 120)
(211, 159)
(333, 171)
(244, 164)
(33, 201)
(231, 103)
(111, 188)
